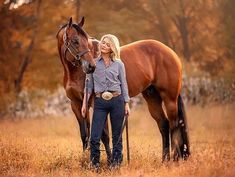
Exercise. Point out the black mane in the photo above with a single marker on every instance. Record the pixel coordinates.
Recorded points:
(80, 30)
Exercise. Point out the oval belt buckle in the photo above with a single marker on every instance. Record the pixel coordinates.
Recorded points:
(107, 96)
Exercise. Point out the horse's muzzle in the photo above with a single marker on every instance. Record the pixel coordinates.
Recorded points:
(90, 69)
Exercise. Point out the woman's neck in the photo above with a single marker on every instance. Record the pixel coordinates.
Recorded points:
(106, 57)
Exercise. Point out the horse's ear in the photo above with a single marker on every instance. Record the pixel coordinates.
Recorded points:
(70, 22)
(81, 23)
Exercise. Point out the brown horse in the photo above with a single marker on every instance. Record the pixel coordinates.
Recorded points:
(152, 69)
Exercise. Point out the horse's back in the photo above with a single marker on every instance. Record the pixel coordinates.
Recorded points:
(150, 62)
(149, 46)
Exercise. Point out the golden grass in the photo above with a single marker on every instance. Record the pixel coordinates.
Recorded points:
(51, 146)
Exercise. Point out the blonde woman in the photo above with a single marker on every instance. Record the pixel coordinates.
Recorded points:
(108, 82)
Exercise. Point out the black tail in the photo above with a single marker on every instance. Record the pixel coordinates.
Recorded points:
(184, 148)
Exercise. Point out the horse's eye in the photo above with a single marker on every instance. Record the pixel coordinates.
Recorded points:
(76, 42)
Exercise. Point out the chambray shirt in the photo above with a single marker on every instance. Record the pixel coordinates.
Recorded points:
(111, 78)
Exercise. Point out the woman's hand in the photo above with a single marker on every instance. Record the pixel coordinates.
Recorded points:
(83, 110)
(127, 109)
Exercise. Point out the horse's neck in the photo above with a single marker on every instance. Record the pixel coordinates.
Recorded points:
(94, 46)
(73, 76)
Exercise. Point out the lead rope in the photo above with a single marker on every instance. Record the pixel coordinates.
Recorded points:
(127, 141)
(87, 111)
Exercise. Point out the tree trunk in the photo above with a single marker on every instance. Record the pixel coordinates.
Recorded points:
(185, 38)
(27, 59)
(181, 22)
(78, 4)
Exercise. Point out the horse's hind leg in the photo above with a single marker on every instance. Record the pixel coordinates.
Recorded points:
(176, 141)
(105, 139)
(184, 148)
(179, 138)
(154, 102)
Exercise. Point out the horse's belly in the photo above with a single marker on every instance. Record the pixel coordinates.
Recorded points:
(137, 85)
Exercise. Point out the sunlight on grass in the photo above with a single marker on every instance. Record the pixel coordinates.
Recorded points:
(52, 147)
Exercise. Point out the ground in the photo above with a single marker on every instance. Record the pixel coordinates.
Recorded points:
(51, 146)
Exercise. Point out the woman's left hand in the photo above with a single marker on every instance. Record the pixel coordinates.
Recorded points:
(127, 109)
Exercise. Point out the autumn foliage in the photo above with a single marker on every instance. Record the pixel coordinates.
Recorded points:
(201, 32)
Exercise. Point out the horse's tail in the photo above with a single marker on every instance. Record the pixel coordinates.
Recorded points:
(184, 148)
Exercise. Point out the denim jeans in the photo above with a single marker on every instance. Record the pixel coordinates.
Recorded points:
(102, 108)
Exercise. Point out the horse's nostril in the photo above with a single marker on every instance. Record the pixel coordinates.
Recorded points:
(92, 68)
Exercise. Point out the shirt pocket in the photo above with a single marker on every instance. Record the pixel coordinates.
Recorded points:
(99, 75)
(114, 73)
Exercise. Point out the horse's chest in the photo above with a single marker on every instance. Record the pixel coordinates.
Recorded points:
(73, 93)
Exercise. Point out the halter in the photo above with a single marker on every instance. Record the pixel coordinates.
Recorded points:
(73, 50)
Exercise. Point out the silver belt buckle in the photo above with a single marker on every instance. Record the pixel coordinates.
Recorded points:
(107, 95)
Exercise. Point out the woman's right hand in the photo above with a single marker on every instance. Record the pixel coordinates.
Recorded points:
(83, 110)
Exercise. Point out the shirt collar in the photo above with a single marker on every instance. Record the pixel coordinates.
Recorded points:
(100, 57)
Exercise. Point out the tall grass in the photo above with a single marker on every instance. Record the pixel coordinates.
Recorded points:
(51, 146)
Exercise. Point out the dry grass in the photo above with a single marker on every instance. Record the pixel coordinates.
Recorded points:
(51, 146)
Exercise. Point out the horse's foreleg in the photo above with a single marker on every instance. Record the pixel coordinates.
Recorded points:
(84, 124)
(154, 102)
(105, 139)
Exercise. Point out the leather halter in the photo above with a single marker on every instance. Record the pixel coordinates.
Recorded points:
(69, 47)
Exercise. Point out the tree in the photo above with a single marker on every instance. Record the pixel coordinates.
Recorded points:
(227, 8)
(78, 5)
(27, 59)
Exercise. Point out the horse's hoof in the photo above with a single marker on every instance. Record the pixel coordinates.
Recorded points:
(185, 152)
(176, 156)
(166, 158)
(185, 156)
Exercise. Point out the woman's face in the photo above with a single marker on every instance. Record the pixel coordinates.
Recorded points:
(105, 46)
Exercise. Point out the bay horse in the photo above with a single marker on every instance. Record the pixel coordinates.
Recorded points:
(152, 69)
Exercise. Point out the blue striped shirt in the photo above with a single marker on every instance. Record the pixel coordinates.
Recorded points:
(111, 78)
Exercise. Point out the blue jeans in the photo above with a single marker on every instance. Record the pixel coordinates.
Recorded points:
(102, 107)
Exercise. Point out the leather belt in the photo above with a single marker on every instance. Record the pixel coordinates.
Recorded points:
(108, 95)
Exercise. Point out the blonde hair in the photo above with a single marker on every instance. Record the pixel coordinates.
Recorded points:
(114, 45)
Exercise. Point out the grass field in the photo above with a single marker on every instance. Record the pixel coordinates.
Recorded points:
(51, 146)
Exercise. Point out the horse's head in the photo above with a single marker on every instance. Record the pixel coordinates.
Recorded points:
(75, 47)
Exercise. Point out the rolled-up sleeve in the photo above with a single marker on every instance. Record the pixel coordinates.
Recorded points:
(89, 83)
(122, 77)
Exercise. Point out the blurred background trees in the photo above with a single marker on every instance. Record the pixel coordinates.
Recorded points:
(201, 32)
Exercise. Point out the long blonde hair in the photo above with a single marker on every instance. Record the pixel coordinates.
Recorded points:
(114, 45)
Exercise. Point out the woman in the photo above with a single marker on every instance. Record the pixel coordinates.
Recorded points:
(111, 97)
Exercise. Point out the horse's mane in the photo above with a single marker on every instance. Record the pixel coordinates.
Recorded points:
(80, 30)
(77, 27)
